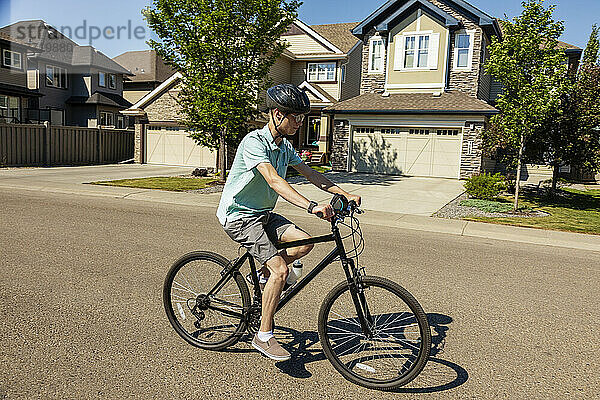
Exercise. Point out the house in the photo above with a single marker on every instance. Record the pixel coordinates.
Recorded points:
(15, 96)
(402, 92)
(148, 69)
(80, 86)
(324, 60)
(424, 96)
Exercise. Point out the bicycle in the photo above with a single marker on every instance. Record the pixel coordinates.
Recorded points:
(372, 330)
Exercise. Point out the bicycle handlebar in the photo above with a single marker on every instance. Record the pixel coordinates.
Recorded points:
(342, 207)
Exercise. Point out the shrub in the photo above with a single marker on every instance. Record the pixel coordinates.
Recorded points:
(485, 186)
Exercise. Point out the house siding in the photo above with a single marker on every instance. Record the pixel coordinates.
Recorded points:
(304, 44)
(351, 88)
(13, 76)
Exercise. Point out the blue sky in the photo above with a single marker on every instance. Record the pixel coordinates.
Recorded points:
(579, 15)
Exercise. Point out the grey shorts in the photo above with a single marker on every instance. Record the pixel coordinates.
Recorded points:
(258, 233)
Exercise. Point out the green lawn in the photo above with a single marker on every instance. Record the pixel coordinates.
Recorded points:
(573, 211)
(173, 183)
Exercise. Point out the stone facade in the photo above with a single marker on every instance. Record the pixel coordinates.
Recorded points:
(339, 147)
(165, 107)
(470, 159)
(139, 131)
(464, 81)
(371, 83)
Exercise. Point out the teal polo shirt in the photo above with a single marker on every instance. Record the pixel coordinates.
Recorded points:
(246, 191)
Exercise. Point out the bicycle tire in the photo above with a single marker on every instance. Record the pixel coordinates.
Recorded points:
(180, 295)
(339, 335)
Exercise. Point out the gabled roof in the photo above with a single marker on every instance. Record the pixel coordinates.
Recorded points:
(388, 9)
(145, 65)
(137, 108)
(89, 56)
(5, 37)
(454, 102)
(38, 33)
(338, 34)
(409, 7)
(316, 36)
(317, 92)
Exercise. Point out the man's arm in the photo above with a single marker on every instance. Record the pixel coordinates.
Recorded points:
(285, 190)
(320, 181)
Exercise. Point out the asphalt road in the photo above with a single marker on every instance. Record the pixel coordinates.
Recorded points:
(80, 289)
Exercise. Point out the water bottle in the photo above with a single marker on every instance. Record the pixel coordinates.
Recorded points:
(295, 273)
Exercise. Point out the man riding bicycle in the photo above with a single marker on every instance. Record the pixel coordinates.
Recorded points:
(255, 181)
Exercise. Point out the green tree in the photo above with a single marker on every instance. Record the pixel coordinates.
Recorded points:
(592, 50)
(224, 50)
(571, 136)
(527, 62)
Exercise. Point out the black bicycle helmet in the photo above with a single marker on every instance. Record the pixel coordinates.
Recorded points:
(288, 99)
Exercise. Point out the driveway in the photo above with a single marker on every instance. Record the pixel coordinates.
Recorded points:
(396, 194)
(385, 193)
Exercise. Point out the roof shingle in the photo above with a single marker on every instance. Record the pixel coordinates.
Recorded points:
(338, 34)
(448, 102)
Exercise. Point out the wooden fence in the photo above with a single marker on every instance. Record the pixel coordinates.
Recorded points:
(40, 145)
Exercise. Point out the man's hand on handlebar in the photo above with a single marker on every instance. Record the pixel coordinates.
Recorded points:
(355, 198)
(324, 212)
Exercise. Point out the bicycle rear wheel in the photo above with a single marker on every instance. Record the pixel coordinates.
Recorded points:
(209, 322)
(401, 339)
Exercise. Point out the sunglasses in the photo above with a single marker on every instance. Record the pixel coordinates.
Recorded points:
(298, 117)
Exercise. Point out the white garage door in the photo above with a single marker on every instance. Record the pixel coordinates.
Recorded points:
(172, 146)
(408, 151)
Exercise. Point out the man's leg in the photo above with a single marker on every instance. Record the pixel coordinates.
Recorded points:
(290, 255)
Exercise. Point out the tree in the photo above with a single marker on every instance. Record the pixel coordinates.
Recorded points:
(571, 136)
(224, 50)
(592, 50)
(527, 62)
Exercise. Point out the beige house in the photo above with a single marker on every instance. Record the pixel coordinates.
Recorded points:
(402, 92)
(324, 60)
(424, 96)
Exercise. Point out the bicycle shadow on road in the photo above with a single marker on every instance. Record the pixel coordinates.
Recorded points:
(439, 375)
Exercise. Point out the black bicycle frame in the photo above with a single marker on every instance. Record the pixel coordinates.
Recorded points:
(338, 251)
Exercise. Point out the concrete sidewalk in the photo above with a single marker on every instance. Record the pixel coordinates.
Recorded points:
(385, 199)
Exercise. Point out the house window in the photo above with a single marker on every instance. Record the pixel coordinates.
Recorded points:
(102, 79)
(376, 55)
(56, 77)
(343, 73)
(418, 131)
(10, 110)
(112, 81)
(364, 130)
(321, 72)
(447, 132)
(11, 59)
(463, 50)
(106, 119)
(416, 51)
(120, 122)
(313, 131)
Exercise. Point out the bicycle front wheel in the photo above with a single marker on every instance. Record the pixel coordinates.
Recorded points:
(400, 341)
(213, 321)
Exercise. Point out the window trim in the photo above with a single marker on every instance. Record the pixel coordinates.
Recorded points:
(471, 34)
(370, 61)
(334, 80)
(62, 75)
(4, 52)
(8, 109)
(103, 73)
(433, 50)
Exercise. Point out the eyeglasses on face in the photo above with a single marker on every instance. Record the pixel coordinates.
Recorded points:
(298, 117)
